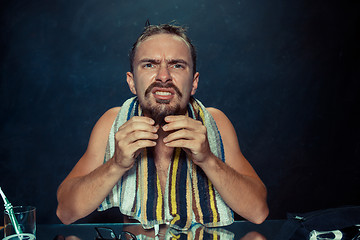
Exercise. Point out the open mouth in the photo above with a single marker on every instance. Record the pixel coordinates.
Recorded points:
(163, 93)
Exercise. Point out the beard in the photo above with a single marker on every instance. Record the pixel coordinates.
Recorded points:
(162, 108)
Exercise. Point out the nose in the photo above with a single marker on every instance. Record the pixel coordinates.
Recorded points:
(163, 74)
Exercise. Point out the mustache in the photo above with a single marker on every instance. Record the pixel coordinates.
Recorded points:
(163, 85)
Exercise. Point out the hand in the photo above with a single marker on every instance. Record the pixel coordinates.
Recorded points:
(131, 137)
(189, 134)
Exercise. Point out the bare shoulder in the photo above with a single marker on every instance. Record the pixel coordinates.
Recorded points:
(224, 125)
(94, 155)
(108, 117)
(220, 118)
(233, 154)
(102, 128)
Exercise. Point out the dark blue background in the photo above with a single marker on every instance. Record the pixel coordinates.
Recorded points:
(285, 72)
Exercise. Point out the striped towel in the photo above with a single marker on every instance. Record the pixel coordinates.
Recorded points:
(195, 232)
(189, 196)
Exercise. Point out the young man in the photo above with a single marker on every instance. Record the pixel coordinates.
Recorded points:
(168, 159)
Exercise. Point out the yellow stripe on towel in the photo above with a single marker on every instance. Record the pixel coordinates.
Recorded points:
(215, 235)
(212, 201)
(173, 186)
(159, 205)
(144, 173)
(201, 113)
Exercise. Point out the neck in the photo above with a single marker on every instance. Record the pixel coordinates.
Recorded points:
(161, 149)
(162, 158)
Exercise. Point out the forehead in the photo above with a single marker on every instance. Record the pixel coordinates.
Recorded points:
(163, 45)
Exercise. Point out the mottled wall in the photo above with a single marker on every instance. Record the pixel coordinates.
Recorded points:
(285, 72)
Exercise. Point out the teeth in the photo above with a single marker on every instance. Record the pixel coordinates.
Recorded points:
(163, 93)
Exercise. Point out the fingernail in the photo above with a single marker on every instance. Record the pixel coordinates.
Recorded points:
(165, 127)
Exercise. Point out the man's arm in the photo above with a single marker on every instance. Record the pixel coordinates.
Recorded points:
(90, 181)
(236, 181)
(83, 189)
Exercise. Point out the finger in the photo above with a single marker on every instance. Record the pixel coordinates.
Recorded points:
(180, 134)
(181, 123)
(127, 136)
(172, 118)
(142, 119)
(135, 125)
(141, 135)
(183, 143)
(138, 145)
(194, 142)
(138, 120)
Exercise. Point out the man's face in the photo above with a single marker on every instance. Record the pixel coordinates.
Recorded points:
(162, 78)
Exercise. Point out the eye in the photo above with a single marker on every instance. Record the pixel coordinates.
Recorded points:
(148, 65)
(178, 66)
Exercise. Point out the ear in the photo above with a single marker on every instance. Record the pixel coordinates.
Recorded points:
(131, 82)
(195, 83)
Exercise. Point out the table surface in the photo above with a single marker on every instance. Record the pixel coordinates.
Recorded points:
(237, 230)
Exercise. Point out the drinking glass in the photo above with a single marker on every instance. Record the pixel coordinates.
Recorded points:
(26, 217)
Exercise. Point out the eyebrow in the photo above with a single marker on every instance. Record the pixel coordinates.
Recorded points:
(175, 61)
(150, 60)
(171, 61)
